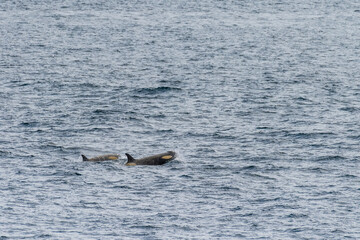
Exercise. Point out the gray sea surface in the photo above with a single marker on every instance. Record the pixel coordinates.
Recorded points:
(260, 99)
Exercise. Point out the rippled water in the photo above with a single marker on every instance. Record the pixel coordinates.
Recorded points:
(261, 100)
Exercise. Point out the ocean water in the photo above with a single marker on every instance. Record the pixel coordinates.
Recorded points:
(260, 99)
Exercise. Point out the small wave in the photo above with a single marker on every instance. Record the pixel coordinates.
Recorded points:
(304, 135)
(317, 169)
(186, 176)
(349, 109)
(250, 167)
(29, 124)
(105, 111)
(299, 215)
(121, 187)
(5, 153)
(295, 230)
(348, 176)
(156, 90)
(89, 85)
(87, 204)
(146, 227)
(219, 135)
(229, 189)
(329, 158)
(258, 176)
(264, 200)
(165, 131)
(214, 167)
(238, 208)
(65, 173)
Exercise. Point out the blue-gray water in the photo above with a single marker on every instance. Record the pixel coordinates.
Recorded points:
(261, 100)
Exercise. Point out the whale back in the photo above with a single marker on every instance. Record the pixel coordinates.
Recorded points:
(158, 159)
(101, 158)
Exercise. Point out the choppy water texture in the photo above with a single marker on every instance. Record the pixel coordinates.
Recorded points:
(261, 100)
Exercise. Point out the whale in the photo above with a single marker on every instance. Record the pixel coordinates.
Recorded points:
(158, 159)
(101, 158)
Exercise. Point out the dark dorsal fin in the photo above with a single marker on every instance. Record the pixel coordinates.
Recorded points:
(84, 158)
(130, 158)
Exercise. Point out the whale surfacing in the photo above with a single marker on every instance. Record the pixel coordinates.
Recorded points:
(101, 158)
(158, 159)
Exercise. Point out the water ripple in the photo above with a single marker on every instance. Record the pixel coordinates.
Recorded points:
(260, 100)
